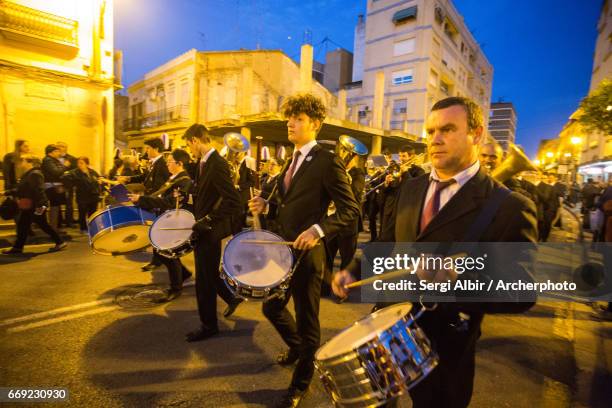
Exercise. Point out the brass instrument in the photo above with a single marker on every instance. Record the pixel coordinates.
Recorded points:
(348, 147)
(514, 163)
(237, 144)
(397, 171)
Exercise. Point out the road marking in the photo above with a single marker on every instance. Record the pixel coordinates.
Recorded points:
(40, 315)
(59, 319)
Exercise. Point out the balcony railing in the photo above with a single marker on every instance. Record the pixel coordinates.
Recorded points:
(28, 24)
(175, 114)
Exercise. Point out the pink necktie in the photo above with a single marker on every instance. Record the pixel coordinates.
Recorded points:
(433, 205)
(289, 173)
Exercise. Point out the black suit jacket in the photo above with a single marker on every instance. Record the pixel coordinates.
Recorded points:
(52, 169)
(320, 179)
(31, 186)
(215, 197)
(155, 178)
(166, 201)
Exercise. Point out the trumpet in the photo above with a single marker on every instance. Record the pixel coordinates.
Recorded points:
(396, 171)
(236, 144)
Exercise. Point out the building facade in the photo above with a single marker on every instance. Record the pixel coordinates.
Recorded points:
(57, 76)
(502, 123)
(418, 51)
(220, 89)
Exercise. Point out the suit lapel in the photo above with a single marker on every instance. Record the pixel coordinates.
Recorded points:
(410, 211)
(467, 199)
(305, 164)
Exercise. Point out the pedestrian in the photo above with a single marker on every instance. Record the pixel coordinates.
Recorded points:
(87, 184)
(10, 162)
(70, 163)
(53, 169)
(32, 202)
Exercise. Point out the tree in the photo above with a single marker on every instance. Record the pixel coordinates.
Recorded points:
(597, 109)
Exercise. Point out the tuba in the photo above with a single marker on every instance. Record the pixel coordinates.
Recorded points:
(514, 163)
(236, 144)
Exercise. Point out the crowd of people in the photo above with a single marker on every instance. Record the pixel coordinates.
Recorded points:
(318, 200)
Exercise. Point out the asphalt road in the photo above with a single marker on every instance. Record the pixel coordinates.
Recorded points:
(61, 326)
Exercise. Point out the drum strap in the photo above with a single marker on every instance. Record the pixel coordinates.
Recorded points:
(169, 185)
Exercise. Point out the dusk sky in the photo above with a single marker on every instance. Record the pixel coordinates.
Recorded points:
(541, 50)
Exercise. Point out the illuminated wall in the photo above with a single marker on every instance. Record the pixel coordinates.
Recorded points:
(56, 76)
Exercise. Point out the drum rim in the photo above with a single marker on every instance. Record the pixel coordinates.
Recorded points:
(270, 286)
(182, 253)
(346, 354)
(159, 218)
(110, 207)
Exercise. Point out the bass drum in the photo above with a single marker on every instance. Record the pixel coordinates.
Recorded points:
(119, 229)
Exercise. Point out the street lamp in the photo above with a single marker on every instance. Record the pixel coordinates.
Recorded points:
(549, 155)
(576, 140)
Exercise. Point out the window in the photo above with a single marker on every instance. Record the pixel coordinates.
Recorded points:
(403, 47)
(448, 60)
(404, 15)
(445, 88)
(433, 78)
(436, 47)
(402, 77)
(397, 125)
(450, 30)
(400, 106)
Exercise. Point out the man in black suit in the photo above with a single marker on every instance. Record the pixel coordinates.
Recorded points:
(178, 187)
(153, 180)
(70, 163)
(446, 206)
(309, 182)
(216, 207)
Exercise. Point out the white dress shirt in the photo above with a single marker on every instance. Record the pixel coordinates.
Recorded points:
(460, 179)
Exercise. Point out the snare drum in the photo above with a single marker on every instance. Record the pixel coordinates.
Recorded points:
(176, 242)
(119, 229)
(377, 358)
(255, 271)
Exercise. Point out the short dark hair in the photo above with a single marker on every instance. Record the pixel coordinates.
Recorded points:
(308, 104)
(181, 156)
(155, 143)
(196, 131)
(472, 110)
(407, 149)
(386, 152)
(51, 148)
(85, 159)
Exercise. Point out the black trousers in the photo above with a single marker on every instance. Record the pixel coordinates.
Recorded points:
(373, 211)
(176, 271)
(347, 245)
(69, 219)
(208, 281)
(303, 333)
(25, 218)
(86, 209)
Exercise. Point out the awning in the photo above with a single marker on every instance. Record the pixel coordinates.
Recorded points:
(405, 14)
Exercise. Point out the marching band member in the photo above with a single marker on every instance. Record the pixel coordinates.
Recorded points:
(447, 206)
(312, 179)
(216, 207)
(178, 187)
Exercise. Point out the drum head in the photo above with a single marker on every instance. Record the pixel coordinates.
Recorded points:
(122, 240)
(168, 239)
(363, 331)
(257, 265)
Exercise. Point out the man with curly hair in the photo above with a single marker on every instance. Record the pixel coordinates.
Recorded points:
(309, 182)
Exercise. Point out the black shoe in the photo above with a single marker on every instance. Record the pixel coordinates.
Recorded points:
(231, 308)
(58, 247)
(292, 398)
(148, 267)
(288, 357)
(201, 334)
(169, 295)
(12, 251)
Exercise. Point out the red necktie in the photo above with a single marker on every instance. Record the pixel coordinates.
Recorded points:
(289, 173)
(433, 205)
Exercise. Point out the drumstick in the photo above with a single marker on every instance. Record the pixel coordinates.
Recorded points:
(390, 275)
(177, 201)
(266, 242)
(384, 276)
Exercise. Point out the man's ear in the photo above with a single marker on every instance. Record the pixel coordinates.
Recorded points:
(478, 135)
(317, 124)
